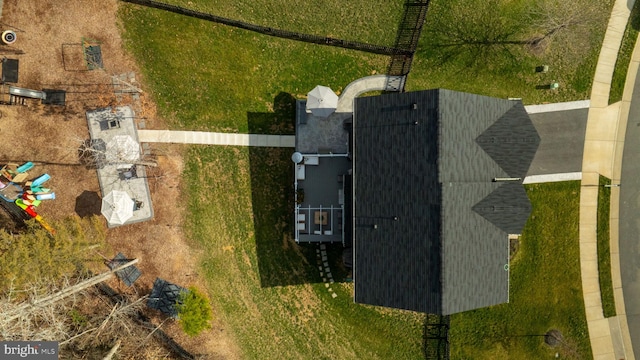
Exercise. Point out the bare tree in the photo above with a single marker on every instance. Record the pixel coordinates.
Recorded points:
(50, 299)
(113, 351)
(96, 153)
(23, 320)
(573, 20)
(469, 33)
(84, 322)
(480, 34)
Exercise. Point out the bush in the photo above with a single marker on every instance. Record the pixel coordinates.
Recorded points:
(35, 253)
(194, 312)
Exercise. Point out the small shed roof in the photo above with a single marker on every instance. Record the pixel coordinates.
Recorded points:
(164, 297)
(129, 274)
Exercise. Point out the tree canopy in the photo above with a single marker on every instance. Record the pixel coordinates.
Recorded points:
(34, 253)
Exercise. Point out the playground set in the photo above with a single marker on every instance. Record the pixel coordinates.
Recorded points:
(14, 95)
(15, 188)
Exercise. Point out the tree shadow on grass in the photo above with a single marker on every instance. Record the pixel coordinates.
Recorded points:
(281, 261)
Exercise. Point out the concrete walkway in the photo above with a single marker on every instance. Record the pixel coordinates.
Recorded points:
(604, 142)
(365, 84)
(213, 138)
(345, 104)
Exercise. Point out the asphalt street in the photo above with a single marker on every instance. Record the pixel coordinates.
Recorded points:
(629, 235)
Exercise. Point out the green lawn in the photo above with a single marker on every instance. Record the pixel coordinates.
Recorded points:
(264, 288)
(604, 253)
(545, 289)
(374, 21)
(624, 55)
(268, 290)
(501, 69)
(210, 76)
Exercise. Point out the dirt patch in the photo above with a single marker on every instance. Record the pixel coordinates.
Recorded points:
(50, 136)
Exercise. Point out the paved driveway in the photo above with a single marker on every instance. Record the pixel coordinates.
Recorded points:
(561, 141)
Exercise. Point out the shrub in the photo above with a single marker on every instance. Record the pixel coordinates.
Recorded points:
(194, 312)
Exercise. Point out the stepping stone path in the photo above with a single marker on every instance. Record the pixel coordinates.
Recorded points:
(325, 271)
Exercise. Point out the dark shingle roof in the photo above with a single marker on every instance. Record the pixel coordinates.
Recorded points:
(510, 141)
(507, 208)
(430, 225)
(474, 251)
(396, 175)
(463, 118)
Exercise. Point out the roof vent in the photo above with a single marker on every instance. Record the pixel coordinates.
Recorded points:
(506, 179)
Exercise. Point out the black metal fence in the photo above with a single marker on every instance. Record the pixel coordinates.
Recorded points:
(401, 53)
(435, 339)
(409, 29)
(291, 35)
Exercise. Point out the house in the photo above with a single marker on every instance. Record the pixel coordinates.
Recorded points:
(435, 188)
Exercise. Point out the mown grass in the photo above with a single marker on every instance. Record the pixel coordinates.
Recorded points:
(502, 69)
(266, 290)
(374, 21)
(545, 289)
(604, 254)
(209, 76)
(624, 55)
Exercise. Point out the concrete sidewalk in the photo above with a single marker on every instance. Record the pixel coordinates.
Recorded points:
(604, 141)
(213, 138)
